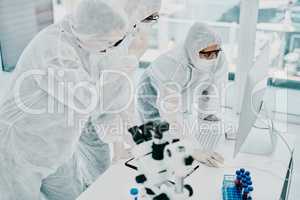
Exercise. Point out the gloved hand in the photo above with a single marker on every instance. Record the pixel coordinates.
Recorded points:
(120, 152)
(211, 118)
(210, 159)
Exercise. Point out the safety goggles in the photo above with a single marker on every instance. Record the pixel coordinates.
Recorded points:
(209, 55)
(113, 46)
(118, 42)
(151, 19)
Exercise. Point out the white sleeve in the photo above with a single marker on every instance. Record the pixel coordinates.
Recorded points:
(66, 81)
(70, 84)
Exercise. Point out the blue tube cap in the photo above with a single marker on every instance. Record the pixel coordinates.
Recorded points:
(238, 172)
(134, 191)
(244, 180)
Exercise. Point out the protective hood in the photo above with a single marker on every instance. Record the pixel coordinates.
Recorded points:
(199, 37)
(99, 22)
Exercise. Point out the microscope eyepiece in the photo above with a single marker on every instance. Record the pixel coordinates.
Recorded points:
(160, 129)
(137, 135)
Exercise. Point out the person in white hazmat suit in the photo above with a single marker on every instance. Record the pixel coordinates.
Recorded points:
(187, 79)
(57, 86)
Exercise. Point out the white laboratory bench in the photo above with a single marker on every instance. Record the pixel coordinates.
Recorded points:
(268, 174)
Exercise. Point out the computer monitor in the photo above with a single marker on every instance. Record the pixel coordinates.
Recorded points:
(256, 84)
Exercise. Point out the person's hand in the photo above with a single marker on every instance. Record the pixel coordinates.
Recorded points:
(210, 159)
(211, 118)
(120, 152)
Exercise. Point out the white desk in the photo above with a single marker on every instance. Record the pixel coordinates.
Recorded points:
(268, 174)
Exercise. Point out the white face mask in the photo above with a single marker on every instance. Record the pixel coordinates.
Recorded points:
(93, 46)
(140, 42)
(206, 65)
(115, 53)
(110, 60)
(146, 27)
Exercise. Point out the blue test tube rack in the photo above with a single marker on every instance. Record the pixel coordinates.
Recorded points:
(238, 186)
(229, 189)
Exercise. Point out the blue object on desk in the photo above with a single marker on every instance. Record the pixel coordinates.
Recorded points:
(134, 193)
(230, 191)
(249, 183)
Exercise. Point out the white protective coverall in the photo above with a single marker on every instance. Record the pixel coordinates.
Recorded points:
(43, 154)
(177, 81)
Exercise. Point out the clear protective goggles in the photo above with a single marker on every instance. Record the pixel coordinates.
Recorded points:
(210, 55)
(151, 19)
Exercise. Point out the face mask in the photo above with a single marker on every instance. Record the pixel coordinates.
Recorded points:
(92, 47)
(146, 27)
(105, 61)
(115, 53)
(140, 39)
(92, 44)
(97, 45)
(111, 58)
(206, 65)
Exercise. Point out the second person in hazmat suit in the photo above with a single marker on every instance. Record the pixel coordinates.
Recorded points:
(187, 79)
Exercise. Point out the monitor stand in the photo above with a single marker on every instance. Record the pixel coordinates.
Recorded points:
(261, 140)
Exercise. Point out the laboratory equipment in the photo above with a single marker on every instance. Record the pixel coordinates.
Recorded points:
(229, 189)
(238, 186)
(134, 193)
(256, 142)
(162, 161)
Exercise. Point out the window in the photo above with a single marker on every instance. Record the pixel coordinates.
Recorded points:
(19, 24)
(278, 22)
